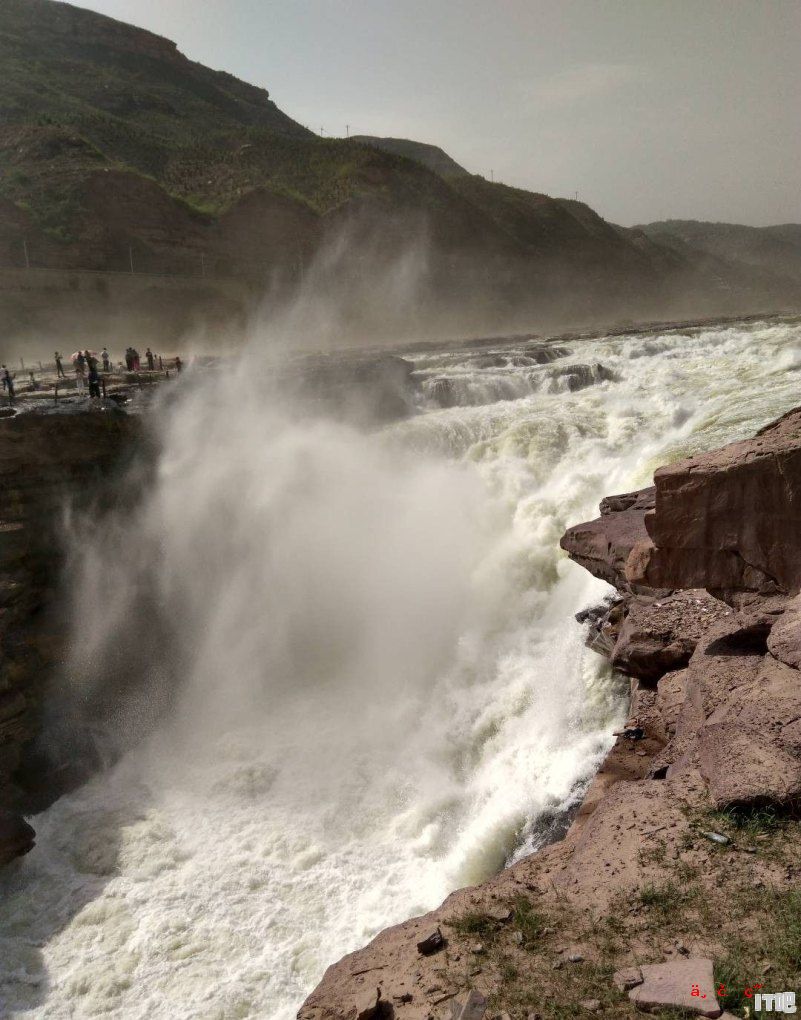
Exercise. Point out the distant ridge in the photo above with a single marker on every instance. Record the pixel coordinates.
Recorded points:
(431, 156)
(776, 249)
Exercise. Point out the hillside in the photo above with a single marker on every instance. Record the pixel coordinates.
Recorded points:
(776, 249)
(118, 153)
(430, 156)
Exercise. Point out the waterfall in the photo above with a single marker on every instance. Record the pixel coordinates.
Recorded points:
(353, 654)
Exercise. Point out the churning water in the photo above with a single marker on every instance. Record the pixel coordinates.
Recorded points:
(383, 692)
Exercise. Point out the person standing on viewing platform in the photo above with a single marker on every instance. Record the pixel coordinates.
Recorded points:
(8, 383)
(60, 373)
(94, 378)
(80, 368)
(105, 357)
(151, 361)
(178, 363)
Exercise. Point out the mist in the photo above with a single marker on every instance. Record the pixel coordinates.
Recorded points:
(319, 660)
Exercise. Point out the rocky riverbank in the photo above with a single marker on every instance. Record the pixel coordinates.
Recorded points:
(677, 885)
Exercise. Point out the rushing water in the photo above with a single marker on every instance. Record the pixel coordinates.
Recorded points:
(383, 691)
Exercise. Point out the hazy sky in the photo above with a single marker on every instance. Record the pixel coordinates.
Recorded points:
(648, 108)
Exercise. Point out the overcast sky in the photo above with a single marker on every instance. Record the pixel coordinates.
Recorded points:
(650, 109)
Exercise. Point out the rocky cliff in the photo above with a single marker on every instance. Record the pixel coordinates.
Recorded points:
(677, 883)
(47, 462)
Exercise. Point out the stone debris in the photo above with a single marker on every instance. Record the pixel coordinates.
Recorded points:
(474, 1007)
(590, 1005)
(368, 1005)
(717, 837)
(628, 978)
(431, 943)
(501, 914)
(575, 958)
(684, 984)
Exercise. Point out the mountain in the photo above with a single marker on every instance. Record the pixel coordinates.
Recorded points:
(119, 154)
(776, 250)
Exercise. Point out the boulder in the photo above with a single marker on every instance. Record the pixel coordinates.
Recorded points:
(16, 837)
(744, 767)
(728, 519)
(784, 639)
(579, 377)
(603, 624)
(660, 635)
(368, 1004)
(628, 978)
(603, 546)
(671, 692)
(682, 984)
(432, 943)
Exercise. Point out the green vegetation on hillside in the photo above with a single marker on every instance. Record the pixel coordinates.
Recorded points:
(114, 147)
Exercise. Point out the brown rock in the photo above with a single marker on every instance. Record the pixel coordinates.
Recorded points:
(628, 978)
(673, 983)
(660, 635)
(728, 519)
(784, 640)
(368, 1005)
(744, 767)
(602, 546)
(432, 943)
(670, 694)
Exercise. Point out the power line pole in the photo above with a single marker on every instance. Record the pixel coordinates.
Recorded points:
(347, 130)
(492, 176)
(130, 256)
(25, 248)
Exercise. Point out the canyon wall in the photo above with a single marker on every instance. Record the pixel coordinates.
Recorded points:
(48, 463)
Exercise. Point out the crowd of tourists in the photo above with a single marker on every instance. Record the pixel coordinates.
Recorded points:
(90, 369)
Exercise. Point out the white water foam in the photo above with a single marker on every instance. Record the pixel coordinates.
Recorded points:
(383, 686)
